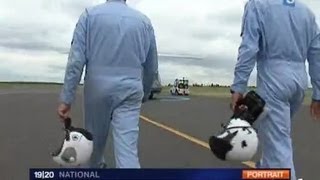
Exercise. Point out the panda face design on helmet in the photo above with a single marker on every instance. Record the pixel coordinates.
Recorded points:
(75, 138)
(238, 140)
(76, 148)
(69, 155)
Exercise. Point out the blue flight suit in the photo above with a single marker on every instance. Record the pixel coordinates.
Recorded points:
(116, 45)
(278, 36)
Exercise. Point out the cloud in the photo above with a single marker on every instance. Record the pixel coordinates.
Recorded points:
(22, 65)
(207, 71)
(198, 28)
(196, 39)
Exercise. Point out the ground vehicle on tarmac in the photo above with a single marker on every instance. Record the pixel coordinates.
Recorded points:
(156, 86)
(180, 87)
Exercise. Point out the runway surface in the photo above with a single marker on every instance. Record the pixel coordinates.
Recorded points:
(173, 133)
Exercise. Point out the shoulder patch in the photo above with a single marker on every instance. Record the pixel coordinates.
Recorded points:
(289, 3)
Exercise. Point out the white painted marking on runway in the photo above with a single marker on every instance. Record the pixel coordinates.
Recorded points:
(251, 164)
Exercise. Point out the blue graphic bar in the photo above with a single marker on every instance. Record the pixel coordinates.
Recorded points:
(150, 174)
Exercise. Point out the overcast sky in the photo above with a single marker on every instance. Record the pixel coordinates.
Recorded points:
(197, 39)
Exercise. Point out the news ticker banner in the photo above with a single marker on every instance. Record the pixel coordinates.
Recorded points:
(190, 174)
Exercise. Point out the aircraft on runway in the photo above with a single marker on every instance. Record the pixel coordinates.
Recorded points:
(156, 86)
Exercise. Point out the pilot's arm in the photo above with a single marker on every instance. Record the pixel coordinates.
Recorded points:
(76, 61)
(150, 67)
(248, 49)
(314, 62)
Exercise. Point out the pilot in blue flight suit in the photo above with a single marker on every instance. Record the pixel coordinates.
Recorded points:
(280, 35)
(116, 45)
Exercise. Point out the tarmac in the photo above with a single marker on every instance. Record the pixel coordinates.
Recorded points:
(173, 133)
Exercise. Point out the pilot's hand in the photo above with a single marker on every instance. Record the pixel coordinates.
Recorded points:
(63, 111)
(315, 110)
(235, 97)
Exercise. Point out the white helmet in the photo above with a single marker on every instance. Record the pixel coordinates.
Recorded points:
(76, 148)
(238, 140)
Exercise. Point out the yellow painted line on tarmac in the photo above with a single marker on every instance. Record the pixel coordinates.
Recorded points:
(187, 137)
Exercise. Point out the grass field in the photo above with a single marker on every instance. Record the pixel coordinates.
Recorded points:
(219, 92)
(222, 92)
(28, 85)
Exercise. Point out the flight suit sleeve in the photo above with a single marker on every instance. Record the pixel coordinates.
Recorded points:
(249, 47)
(150, 67)
(76, 61)
(314, 61)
